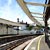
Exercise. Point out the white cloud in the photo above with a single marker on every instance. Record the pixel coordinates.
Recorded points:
(12, 14)
(9, 2)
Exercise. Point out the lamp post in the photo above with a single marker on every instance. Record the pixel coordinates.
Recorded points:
(18, 27)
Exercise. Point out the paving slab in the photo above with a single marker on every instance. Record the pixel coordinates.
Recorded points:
(33, 44)
(38, 44)
(43, 45)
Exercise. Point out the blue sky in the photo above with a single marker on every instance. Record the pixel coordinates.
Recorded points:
(10, 10)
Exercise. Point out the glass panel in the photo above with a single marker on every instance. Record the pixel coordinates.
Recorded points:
(35, 8)
(37, 1)
(36, 15)
(40, 20)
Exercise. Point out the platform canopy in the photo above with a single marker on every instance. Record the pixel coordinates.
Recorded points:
(10, 23)
(36, 17)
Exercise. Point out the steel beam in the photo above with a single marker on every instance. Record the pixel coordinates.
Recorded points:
(25, 9)
(38, 17)
(38, 4)
(37, 13)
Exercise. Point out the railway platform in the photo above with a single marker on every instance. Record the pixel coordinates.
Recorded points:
(38, 43)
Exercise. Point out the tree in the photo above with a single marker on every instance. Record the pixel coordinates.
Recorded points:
(39, 26)
(29, 27)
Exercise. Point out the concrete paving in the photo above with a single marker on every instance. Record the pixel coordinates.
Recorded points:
(38, 44)
(33, 44)
(44, 45)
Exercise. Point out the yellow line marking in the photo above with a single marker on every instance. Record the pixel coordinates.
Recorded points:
(38, 48)
(26, 48)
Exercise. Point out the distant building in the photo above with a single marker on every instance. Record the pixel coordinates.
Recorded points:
(7, 27)
(23, 27)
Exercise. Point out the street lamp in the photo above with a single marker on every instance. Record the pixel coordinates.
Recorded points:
(18, 27)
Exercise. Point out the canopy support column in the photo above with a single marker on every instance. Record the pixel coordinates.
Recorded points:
(46, 30)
